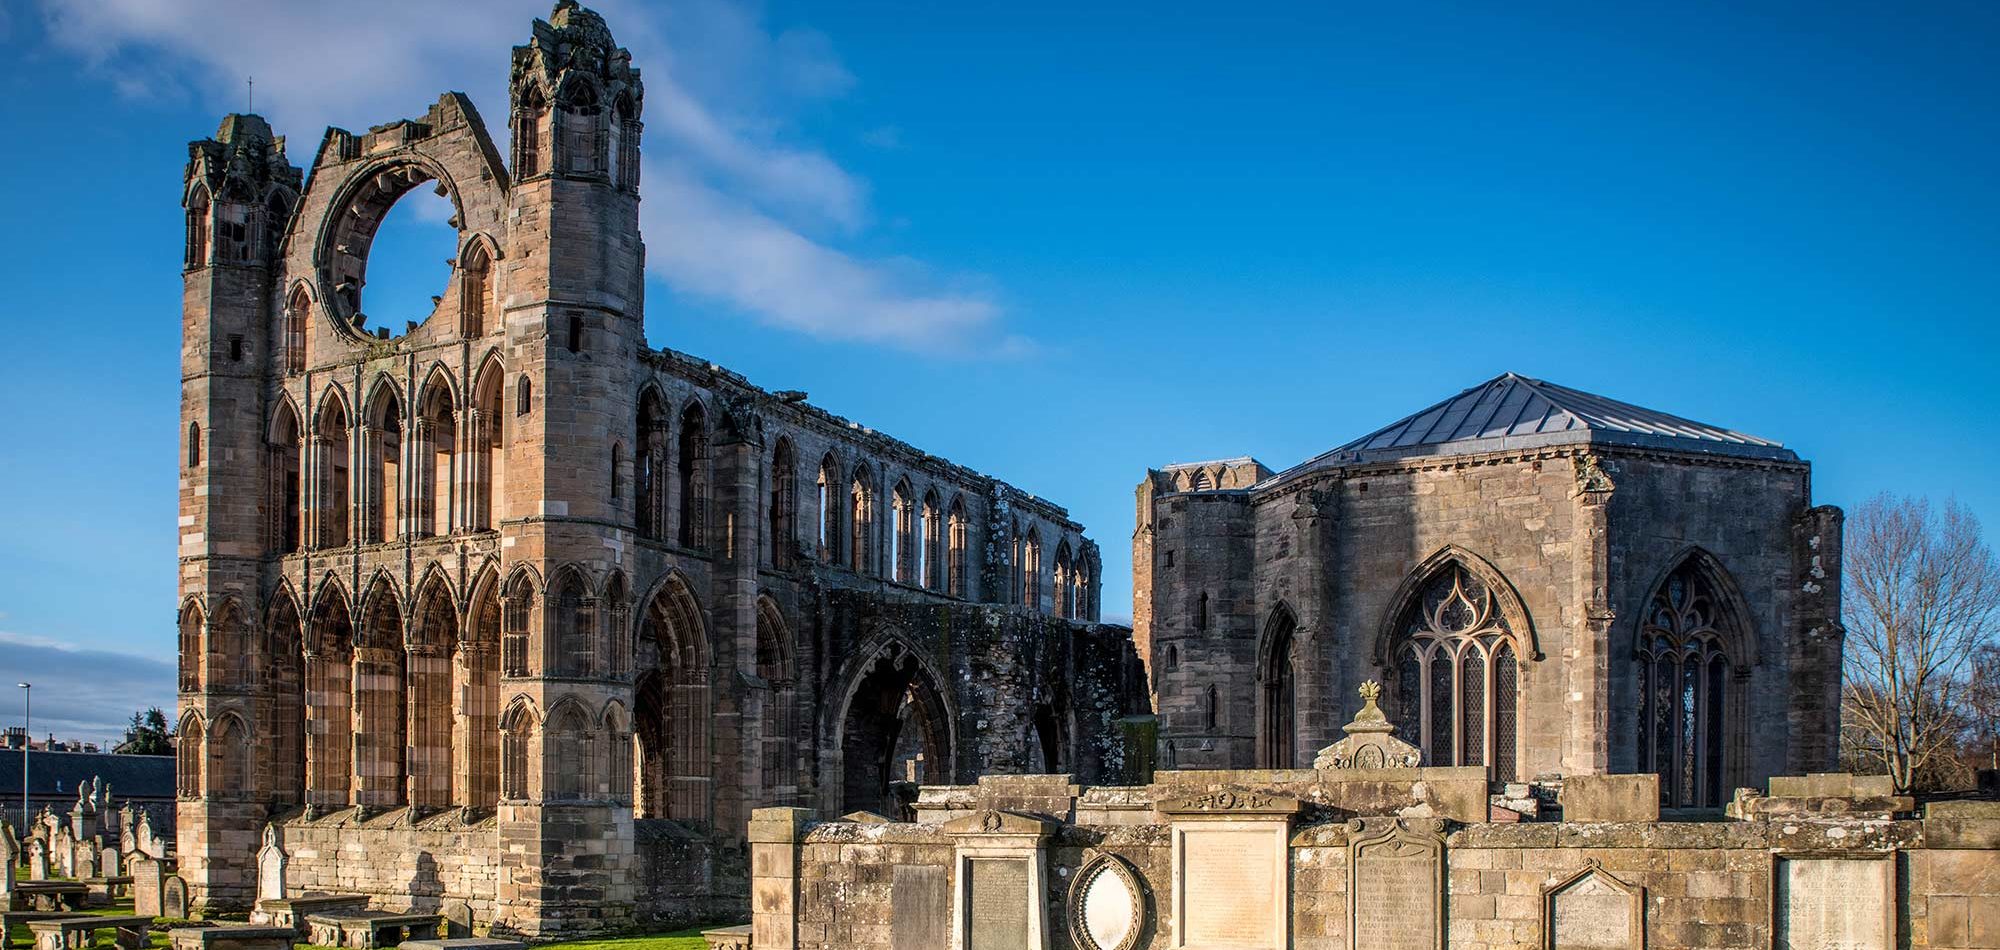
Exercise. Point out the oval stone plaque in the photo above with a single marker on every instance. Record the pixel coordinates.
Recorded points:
(1105, 906)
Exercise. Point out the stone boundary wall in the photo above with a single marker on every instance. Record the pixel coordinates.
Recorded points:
(685, 876)
(1708, 885)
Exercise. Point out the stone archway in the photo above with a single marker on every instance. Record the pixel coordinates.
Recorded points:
(895, 734)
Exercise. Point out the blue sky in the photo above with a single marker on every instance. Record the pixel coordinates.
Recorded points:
(1064, 242)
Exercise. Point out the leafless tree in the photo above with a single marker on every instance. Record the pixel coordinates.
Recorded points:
(1922, 598)
(1982, 701)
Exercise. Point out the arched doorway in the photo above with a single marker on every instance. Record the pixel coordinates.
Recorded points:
(895, 734)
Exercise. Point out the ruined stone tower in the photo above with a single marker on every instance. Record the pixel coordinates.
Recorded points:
(498, 605)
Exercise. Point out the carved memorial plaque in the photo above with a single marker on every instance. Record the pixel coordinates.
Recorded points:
(1593, 910)
(149, 881)
(1228, 881)
(997, 904)
(1106, 908)
(1834, 904)
(920, 908)
(1395, 890)
(174, 898)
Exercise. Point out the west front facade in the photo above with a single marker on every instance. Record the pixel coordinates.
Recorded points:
(1544, 581)
(502, 609)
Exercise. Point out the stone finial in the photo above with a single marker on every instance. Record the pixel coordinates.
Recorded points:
(1371, 741)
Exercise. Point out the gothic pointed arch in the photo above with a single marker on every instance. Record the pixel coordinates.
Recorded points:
(382, 450)
(902, 532)
(777, 698)
(284, 498)
(296, 328)
(328, 677)
(189, 745)
(616, 726)
(433, 688)
(572, 624)
(861, 520)
(283, 735)
(649, 463)
(615, 610)
(1693, 649)
(571, 761)
(1454, 645)
(694, 475)
(228, 766)
(193, 622)
(329, 500)
(530, 132)
(233, 659)
(783, 510)
(828, 492)
(486, 467)
(520, 725)
(477, 743)
(672, 713)
(520, 622)
(379, 704)
(1277, 682)
(893, 725)
(435, 455)
(476, 258)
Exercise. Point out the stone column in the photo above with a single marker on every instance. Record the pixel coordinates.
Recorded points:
(736, 483)
(776, 835)
(1587, 662)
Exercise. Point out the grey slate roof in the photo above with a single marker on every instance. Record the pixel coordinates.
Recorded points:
(54, 776)
(1512, 411)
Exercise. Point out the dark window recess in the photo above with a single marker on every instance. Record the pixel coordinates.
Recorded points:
(576, 334)
(235, 348)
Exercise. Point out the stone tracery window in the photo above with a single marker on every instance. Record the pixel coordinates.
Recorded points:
(861, 517)
(1683, 681)
(1457, 674)
(902, 537)
(957, 538)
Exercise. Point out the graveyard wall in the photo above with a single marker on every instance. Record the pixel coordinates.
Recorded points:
(1708, 885)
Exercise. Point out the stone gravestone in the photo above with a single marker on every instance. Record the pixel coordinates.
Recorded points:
(83, 864)
(1395, 884)
(174, 898)
(128, 841)
(109, 864)
(1593, 910)
(920, 908)
(62, 852)
(457, 918)
(148, 841)
(1846, 902)
(1371, 741)
(998, 904)
(38, 859)
(1106, 908)
(149, 880)
(271, 862)
(1231, 869)
(10, 856)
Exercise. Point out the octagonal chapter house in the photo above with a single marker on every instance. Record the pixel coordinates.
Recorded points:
(1544, 581)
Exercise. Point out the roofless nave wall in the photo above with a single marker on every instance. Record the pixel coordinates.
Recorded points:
(476, 609)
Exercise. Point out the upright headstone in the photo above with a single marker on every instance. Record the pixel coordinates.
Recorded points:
(271, 860)
(1001, 863)
(1231, 856)
(62, 852)
(149, 880)
(1593, 910)
(38, 859)
(174, 898)
(109, 863)
(1395, 884)
(128, 841)
(457, 918)
(10, 856)
(83, 865)
(1845, 901)
(148, 841)
(919, 908)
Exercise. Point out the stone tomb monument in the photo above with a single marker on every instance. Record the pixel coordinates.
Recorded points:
(1106, 909)
(271, 861)
(1593, 910)
(1001, 864)
(1371, 741)
(38, 859)
(1833, 900)
(174, 898)
(10, 856)
(149, 884)
(1395, 884)
(1231, 864)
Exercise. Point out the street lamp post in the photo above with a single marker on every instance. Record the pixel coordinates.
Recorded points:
(28, 739)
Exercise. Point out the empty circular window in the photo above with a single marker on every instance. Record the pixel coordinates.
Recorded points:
(391, 246)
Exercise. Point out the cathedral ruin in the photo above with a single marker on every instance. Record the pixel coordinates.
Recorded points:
(506, 608)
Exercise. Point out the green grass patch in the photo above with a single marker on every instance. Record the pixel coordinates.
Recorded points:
(678, 940)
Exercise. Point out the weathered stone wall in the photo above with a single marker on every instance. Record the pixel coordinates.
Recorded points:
(1573, 541)
(1707, 885)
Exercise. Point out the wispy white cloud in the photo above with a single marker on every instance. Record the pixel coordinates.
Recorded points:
(729, 169)
(83, 693)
